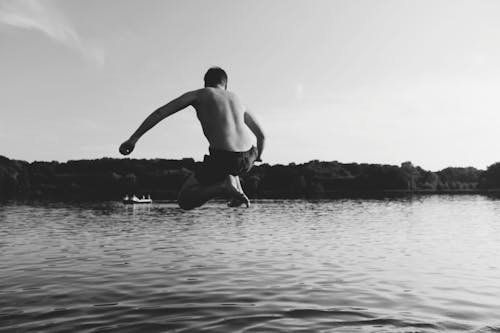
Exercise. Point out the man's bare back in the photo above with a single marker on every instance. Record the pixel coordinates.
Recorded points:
(230, 130)
(222, 117)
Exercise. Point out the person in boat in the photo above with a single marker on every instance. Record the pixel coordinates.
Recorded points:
(230, 129)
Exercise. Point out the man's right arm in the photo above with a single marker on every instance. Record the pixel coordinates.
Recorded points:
(255, 127)
(157, 116)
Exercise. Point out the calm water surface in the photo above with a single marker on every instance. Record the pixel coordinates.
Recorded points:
(415, 265)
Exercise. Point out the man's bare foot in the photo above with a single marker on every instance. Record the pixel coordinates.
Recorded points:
(238, 198)
(238, 201)
(234, 203)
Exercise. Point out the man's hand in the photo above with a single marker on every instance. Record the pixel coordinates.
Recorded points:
(127, 147)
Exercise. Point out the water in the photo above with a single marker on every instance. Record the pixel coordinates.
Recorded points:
(426, 264)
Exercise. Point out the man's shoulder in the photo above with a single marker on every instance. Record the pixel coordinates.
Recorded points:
(202, 92)
(196, 92)
(193, 95)
(213, 92)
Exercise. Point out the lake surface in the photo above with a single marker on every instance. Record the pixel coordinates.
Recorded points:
(424, 264)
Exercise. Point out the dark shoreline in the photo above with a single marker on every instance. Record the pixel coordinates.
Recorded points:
(110, 179)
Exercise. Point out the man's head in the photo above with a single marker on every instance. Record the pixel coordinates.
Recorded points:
(215, 77)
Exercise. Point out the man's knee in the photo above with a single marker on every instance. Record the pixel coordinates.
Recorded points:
(185, 196)
(185, 203)
(187, 200)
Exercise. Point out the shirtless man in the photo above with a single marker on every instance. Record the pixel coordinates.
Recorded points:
(228, 127)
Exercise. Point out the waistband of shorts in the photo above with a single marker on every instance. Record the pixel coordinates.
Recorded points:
(215, 151)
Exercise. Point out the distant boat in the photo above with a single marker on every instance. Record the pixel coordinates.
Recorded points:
(135, 200)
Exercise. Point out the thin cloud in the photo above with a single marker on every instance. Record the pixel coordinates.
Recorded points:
(49, 20)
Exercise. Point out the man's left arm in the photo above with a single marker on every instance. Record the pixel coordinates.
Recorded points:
(154, 118)
(253, 124)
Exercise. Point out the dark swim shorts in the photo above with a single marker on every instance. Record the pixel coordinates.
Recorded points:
(221, 163)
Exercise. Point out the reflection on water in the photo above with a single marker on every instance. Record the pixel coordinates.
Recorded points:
(416, 265)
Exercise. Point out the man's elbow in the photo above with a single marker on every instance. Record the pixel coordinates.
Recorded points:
(260, 136)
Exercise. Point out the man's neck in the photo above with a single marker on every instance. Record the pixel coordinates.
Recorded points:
(219, 86)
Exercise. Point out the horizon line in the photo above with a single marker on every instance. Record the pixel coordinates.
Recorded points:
(262, 163)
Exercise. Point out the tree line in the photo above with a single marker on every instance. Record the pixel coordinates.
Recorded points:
(110, 179)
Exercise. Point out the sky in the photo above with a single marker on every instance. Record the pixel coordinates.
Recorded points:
(362, 81)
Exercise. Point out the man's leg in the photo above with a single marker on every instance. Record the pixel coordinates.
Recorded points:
(248, 160)
(193, 194)
(240, 200)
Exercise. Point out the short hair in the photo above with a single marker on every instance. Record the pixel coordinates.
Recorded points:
(215, 76)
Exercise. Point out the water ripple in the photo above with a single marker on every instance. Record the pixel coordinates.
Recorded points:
(423, 265)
